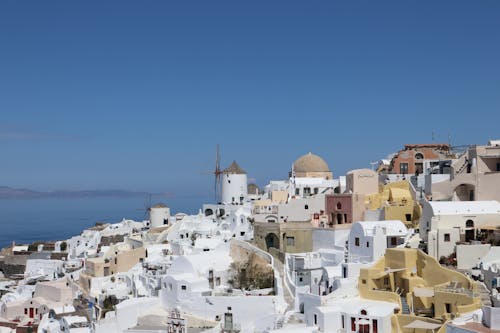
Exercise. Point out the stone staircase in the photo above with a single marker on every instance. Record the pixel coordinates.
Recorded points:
(484, 293)
(404, 304)
(463, 166)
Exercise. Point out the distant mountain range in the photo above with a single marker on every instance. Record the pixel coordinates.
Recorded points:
(21, 193)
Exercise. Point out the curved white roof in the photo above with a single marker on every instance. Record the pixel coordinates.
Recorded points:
(201, 263)
(392, 227)
(464, 207)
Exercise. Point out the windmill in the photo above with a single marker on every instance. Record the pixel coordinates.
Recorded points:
(217, 175)
(147, 206)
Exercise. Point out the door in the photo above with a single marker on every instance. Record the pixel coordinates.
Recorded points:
(32, 313)
(469, 235)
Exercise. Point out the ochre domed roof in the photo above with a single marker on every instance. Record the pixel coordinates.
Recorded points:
(310, 163)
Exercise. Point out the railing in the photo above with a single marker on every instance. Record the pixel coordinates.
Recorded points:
(359, 258)
(456, 290)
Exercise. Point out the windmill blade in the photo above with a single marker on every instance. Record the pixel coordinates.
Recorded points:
(217, 174)
(147, 206)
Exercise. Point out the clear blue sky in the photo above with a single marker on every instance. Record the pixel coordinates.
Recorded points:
(135, 95)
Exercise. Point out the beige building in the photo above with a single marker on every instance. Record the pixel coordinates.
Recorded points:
(118, 258)
(446, 223)
(293, 237)
(474, 176)
(425, 291)
(362, 181)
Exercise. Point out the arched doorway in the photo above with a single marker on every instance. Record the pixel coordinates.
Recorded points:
(272, 241)
(464, 192)
(470, 232)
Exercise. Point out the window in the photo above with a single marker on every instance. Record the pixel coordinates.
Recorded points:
(408, 217)
(297, 191)
(375, 326)
(315, 319)
(316, 190)
(419, 156)
(367, 244)
(363, 281)
(446, 237)
(307, 191)
(394, 241)
(290, 241)
(363, 312)
(403, 168)
(183, 287)
(306, 207)
(301, 279)
(339, 206)
(356, 241)
(242, 233)
(353, 324)
(469, 224)
(343, 321)
(448, 307)
(217, 281)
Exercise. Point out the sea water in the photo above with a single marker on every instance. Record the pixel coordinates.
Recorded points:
(27, 220)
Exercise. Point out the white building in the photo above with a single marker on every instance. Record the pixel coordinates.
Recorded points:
(159, 215)
(368, 240)
(234, 185)
(444, 223)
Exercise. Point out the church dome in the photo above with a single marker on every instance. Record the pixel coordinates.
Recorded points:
(310, 163)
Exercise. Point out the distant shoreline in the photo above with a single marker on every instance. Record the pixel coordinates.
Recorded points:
(8, 193)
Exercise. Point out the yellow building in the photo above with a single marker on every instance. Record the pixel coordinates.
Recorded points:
(397, 202)
(425, 291)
